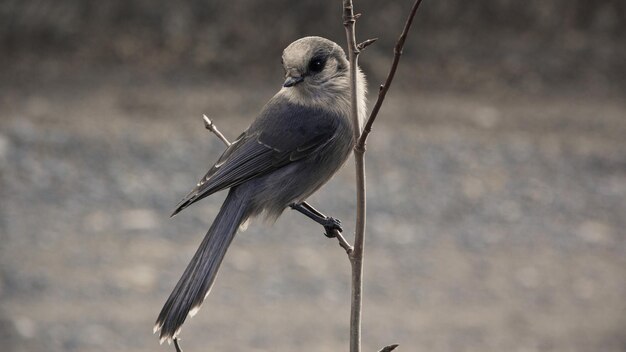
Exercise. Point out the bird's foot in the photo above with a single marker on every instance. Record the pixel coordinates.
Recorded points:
(331, 224)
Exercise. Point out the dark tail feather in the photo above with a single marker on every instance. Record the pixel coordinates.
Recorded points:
(196, 282)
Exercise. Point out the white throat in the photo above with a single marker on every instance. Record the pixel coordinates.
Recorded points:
(333, 95)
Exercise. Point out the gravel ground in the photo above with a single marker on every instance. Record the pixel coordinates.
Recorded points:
(495, 224)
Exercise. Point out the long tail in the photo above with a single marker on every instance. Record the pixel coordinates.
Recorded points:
(196, 282)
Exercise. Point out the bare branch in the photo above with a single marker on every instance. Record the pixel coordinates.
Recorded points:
(342, 241)
(392, 71)
(389, 348)
(209, 125)
(366, 43)
(356, 257)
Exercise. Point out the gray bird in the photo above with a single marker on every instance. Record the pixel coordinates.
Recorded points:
(299, 140)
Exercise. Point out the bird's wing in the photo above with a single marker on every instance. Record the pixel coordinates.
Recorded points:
(282, 134)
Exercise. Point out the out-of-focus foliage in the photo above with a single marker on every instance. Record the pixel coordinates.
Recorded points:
(175, 26)
(544, 42)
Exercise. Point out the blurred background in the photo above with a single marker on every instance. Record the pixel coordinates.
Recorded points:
(496, 172)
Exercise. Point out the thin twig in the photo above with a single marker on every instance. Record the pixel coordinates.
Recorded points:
(356, 257)
(342, 241)
(397, 52)
(210, 125)
(389, 348)
(366, 43)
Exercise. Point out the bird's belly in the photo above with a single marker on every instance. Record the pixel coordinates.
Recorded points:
(297, 181)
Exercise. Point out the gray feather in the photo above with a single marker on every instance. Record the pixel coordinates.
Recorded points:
(200, 274)
(283, 133)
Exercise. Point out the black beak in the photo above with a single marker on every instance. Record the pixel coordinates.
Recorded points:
(292, 81)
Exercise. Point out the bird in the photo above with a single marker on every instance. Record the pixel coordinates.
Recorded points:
(297, 142)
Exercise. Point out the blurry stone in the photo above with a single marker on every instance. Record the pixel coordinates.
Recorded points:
(552, 147)
(528, 277)
(4, 147)
(95, 335)
(574, 40)
(584, 288)
(139, 219)
(37, 106)
(527, 349)
(473, 188)
(152, 248)
(510, 210)
(606, 18)
(402, 233)
(8, 334)
(25, 327)
(241, 259)
(309, 259)
(538, 192)
(24, 129)
(96, 221)
(486, 117)
(496, 179)
(138, 277)
(594, 232)
(492, 236)
(331, 293)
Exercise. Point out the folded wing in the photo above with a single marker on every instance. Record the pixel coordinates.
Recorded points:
(278, 137)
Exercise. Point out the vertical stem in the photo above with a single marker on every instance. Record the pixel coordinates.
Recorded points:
(349, 21)
(356, 257)
(397, 52)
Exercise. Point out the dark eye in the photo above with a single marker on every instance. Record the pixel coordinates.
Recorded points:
(316, 65)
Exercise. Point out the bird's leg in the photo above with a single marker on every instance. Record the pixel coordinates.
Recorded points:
(329, 223)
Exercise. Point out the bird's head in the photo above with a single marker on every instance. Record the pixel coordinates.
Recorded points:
(313, 62)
